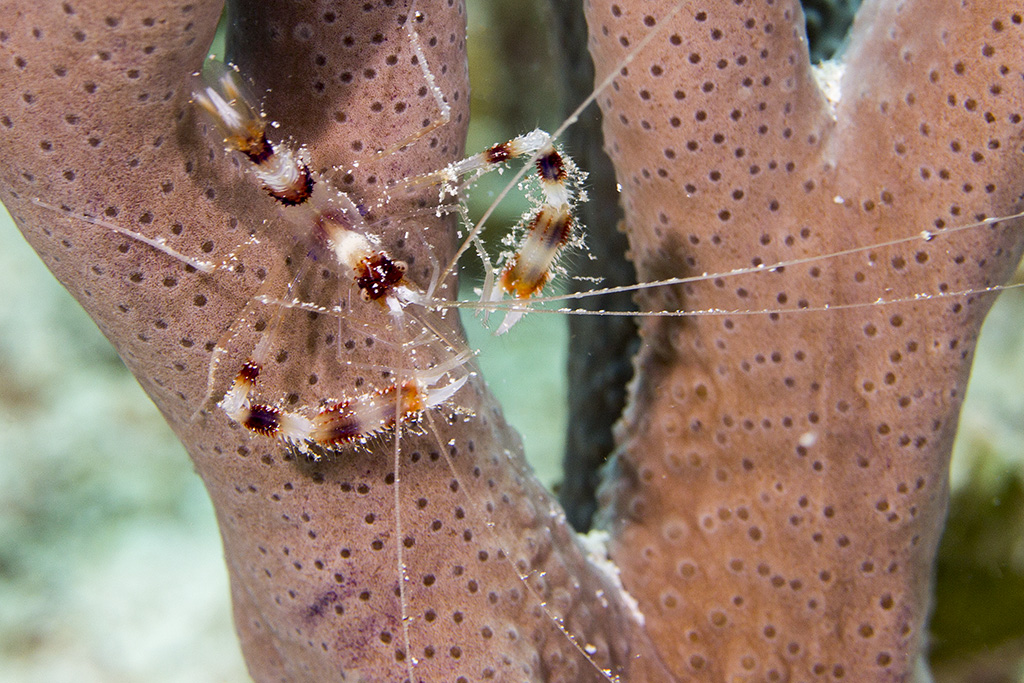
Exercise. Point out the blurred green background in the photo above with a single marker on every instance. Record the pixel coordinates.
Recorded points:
(110, 563)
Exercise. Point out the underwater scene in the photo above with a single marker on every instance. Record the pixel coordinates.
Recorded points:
(112, 566)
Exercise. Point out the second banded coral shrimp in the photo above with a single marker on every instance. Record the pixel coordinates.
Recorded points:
(549, 227)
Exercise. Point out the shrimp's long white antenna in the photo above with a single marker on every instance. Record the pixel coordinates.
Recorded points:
(158, 243)
(925, 235)
(720, 312)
